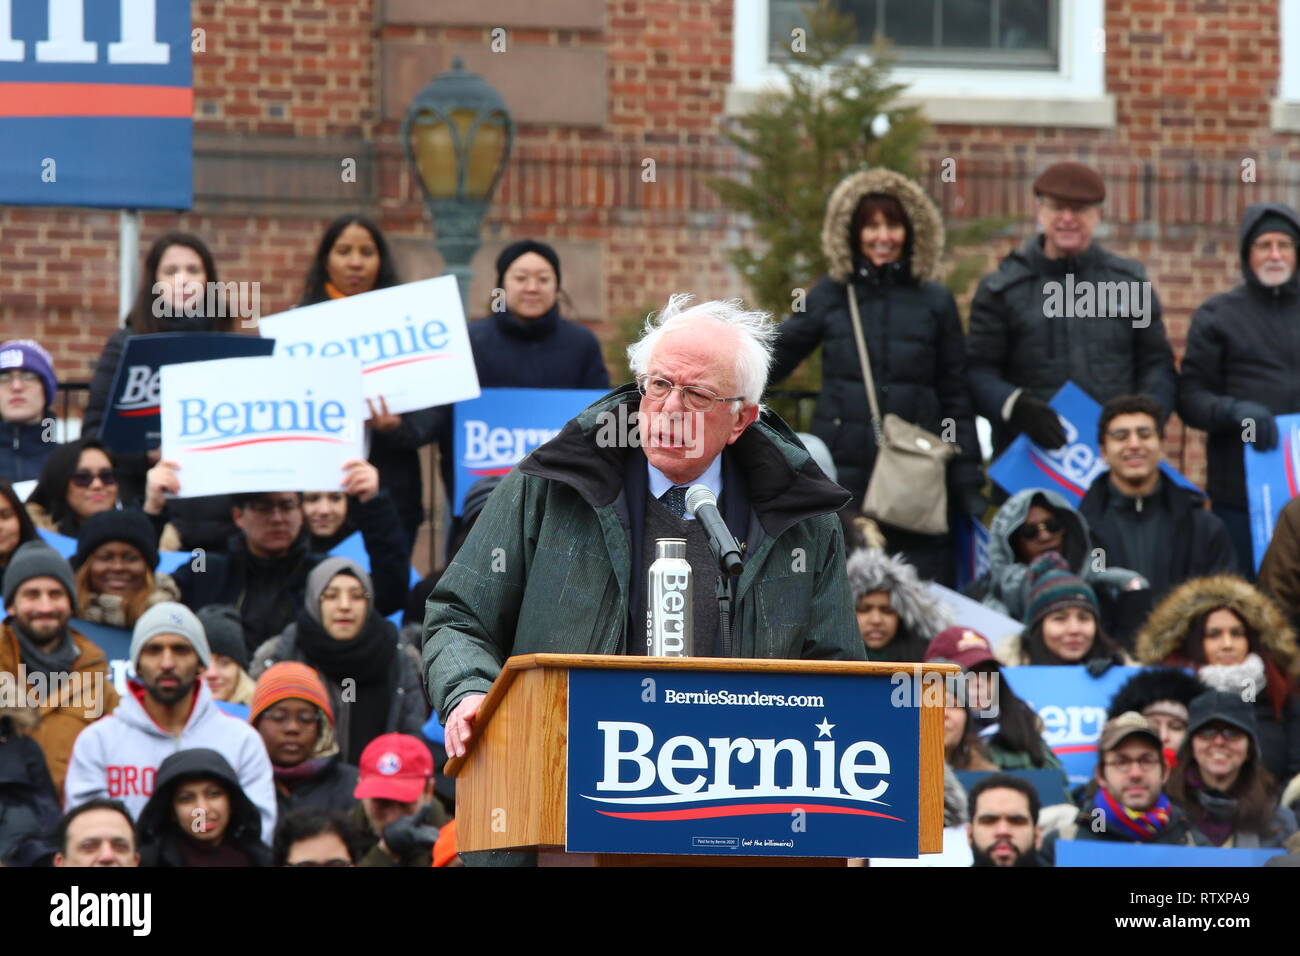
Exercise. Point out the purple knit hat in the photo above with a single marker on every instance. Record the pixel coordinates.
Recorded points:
(29, 355)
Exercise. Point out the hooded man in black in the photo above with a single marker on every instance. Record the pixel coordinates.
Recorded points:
(1240, 367)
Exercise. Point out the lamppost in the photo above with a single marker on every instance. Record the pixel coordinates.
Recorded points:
(457, 133)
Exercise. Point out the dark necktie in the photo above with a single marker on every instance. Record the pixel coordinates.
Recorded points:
(674, 499)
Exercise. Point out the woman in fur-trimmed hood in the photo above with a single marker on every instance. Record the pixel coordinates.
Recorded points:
(883, 238)
(896, 613)
(1249, 648)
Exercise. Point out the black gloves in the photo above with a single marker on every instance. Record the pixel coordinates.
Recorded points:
(1035, 418)
(406, 836)
(1244, 412)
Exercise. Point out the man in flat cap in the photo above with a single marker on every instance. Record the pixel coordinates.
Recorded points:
(1242, 364)
(1061, 308)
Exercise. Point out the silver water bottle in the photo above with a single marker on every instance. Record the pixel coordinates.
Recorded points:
(668, 601)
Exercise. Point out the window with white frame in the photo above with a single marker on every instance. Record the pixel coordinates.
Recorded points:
(1286, 106)
(1020, 62)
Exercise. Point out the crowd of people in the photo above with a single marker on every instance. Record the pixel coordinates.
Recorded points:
(275, 713)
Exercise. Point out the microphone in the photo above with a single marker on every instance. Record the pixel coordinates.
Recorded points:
(703, 504)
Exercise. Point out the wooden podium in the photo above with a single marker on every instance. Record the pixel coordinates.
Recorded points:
(511, 791)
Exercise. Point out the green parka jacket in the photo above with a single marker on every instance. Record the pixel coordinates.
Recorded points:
(546, 568)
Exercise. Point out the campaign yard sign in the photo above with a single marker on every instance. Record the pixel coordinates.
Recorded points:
(752, 764)
(1070, 469)
(497, 430)
(1271, 481)
(411, 341)
(96, 103)
(1072, 705)
(133, 422)
(261, 424)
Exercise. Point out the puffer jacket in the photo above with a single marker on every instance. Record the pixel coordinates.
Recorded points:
(1243, 344)
(23, 451)
(1005, 586)
(29, 805)
(1013, 343)
(561, 526)
(1163, 640)
(912, 332)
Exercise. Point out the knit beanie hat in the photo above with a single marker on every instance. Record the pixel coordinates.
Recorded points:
(29, 355)
(524, 246)
(225, 632)
(36, 559)
(289, 679)
(1055, 588)
(1273, 222)
(321, 576)
(128, 526)
(170, 618)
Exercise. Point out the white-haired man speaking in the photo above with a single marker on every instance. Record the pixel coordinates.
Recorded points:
(558, 559)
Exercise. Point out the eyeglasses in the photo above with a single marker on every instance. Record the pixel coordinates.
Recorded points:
(1029, 532)
(1229, 734)
(334, 862)
(1267, 245)
(266, 507)
(1144, 433)
(1146, 762)
(693, 397)
(21, 376)
(84, 479)
(278, 717)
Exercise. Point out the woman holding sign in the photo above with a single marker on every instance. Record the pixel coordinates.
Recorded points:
(353, 258)
(178, 274)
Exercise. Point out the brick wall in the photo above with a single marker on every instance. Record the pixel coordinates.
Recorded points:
(286, 91)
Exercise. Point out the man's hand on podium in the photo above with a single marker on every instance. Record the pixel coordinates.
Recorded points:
(459, 723)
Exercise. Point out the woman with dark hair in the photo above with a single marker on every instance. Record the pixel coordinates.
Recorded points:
(1238, 641)
(114, 564)
(962, 748)
(79, 480)
(172, 297)
(883, 239)
(352, 258)
(1221, 781)
(199, 816)
(16, 526)
(1064, 623)
(897, 615)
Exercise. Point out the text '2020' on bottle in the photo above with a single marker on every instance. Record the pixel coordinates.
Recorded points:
(668, 604)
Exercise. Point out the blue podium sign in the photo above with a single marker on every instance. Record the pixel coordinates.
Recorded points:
(745, 764)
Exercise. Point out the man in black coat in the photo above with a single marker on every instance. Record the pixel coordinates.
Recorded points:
(264, 572)
(1242, 364)
(1136, 513)
(1062, 308)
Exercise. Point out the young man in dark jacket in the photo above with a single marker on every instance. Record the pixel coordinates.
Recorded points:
(27, 390)
(1240, 367)
(1134, 511)
(1062, 308)
(264, 573)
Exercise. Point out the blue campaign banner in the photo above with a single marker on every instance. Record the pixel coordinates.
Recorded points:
(1111, 853)
(1048, 784)
(238, 711)
(96, 104)
(1071, 468)
(115, 642)
(1271, 481)
(494, 432)
(133, 422)
(683, 762)
(972, 550)
(1072, 705)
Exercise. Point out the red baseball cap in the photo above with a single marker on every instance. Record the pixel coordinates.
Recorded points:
(394, 767)
(961, 645)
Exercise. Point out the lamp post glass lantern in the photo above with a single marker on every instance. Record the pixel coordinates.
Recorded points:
(458, 132)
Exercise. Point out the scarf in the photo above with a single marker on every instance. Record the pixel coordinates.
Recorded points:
(57, 659)
(368, 660)
(289, 777)
(1138, 827)
(333, 292)
(1219, 808)
(1234, 678)
(110, 609)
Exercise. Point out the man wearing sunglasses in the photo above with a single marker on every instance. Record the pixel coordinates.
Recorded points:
(27, 390)
(1241, 362)
(1134, 511)
(1128, 803)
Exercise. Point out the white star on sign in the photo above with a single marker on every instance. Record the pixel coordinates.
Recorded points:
(824, 728)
